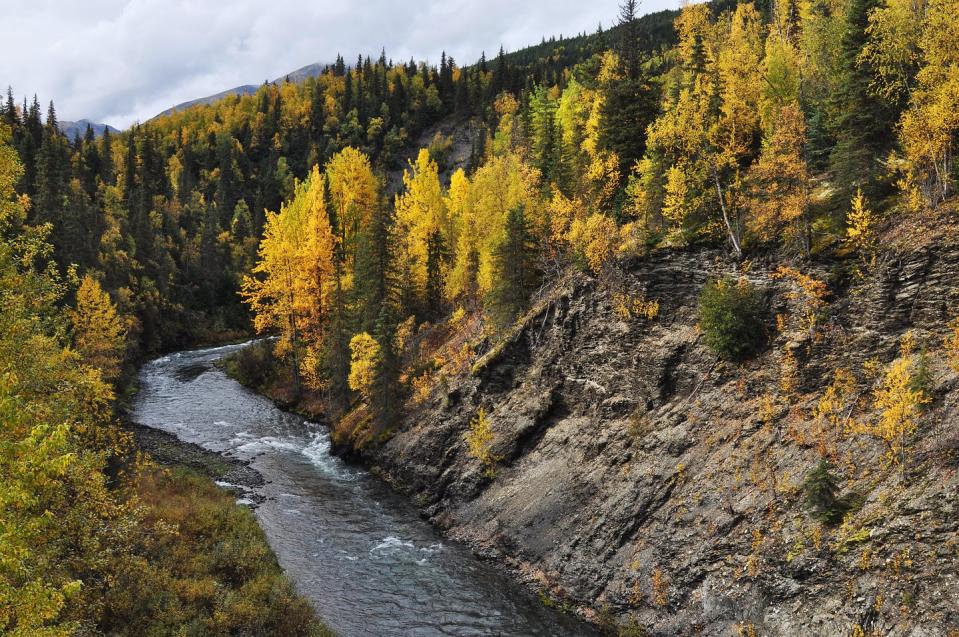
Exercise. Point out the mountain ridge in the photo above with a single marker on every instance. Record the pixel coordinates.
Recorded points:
(77, 128)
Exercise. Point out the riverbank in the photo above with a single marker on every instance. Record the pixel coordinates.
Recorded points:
(231, 474)
(256, 369)
(206, 499)
(359, 552)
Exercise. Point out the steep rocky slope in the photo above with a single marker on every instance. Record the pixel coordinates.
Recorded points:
(641, 478)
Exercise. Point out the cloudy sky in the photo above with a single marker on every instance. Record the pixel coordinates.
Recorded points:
(118, 61)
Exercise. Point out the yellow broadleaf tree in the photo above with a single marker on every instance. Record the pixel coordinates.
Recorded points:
(354, 194)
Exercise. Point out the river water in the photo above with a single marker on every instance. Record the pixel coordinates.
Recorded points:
(356, 550)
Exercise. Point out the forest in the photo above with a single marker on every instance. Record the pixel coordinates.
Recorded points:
(309, 212)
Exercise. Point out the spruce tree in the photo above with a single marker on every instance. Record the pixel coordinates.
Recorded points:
(373, 281)
(385, 398)
(436, 255)
(863, 123)
(632, 101)
(822, 494)
(516, 273)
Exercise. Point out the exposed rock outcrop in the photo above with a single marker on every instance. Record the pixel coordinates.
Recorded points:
(641, 477)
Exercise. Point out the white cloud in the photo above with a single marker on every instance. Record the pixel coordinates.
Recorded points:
(118, 61)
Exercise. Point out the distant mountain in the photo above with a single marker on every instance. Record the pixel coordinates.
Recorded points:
(246, 89)
(300, 74)
(79, 127)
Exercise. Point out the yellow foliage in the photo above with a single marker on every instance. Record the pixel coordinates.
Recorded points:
(479, 441)
(420, 212)
(951, 344)
(900, 405)
(929, 126)
(809, 292)
(365, 357)
(501, 185)
(861, 228)
(628, 306)
(835, 406)
(596, 239)
(779, 182)
(422, 386)
(354, 194)
(293, 280)
(99, 335)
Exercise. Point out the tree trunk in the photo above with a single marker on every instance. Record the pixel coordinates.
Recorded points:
(729, 226)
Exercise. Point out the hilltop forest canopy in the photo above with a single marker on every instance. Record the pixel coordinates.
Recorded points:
(796, 127)
(168, 214)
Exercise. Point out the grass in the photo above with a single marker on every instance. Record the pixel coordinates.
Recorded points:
(207, 568)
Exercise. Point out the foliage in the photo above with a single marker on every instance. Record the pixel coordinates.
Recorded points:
(594, 240)
(930, 124)
(821, 490)
(780, 183)
(515, 269)
(730, 316)
(480, 439)
(899, 401)
(951, 344)
(366, 356)
(861, 229)
(215, 557)
(253, 365)
(99, 335)
(91, 541)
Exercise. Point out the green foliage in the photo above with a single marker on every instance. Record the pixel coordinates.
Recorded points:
(821, 491)
(731, 317)
(516, 274)
(252, 366)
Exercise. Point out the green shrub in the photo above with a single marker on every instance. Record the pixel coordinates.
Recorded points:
(822, 494)
(730, 315)
(252, 366)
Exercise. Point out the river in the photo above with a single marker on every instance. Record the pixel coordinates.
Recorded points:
(359, 552)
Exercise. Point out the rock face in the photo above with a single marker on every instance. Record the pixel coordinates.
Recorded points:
(639, 477)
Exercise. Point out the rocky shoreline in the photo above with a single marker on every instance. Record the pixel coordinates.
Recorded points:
(228, 472)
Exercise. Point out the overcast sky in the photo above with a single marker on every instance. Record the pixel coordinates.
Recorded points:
(118, 61)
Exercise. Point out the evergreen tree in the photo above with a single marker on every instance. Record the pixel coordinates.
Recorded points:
(384, 394)
(822, 494)
(373, 280)
(436, 257)
(516, 274)
(863, 121)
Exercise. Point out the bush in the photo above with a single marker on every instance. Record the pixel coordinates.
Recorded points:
(730, 315)
(822, 494)
(252, 366)
(480, 440)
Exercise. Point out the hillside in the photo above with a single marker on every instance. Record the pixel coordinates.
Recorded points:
(300, 74)
(639, 476)
(663, 319)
